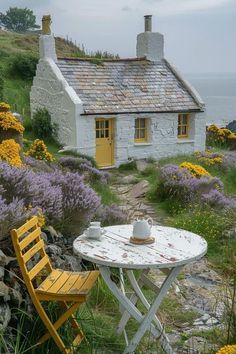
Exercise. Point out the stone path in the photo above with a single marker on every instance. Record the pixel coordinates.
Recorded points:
(200, 288)
(133, 198)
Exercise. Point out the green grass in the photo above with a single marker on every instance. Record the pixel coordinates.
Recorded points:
(107, 195)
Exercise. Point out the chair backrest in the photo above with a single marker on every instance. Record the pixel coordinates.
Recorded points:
(29, 246)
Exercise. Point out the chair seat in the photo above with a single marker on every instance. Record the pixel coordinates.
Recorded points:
(69, 286)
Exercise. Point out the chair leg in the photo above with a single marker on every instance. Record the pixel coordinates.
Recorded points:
(66, 315)
(50, 327)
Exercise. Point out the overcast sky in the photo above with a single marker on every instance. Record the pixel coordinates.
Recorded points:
(200, 35)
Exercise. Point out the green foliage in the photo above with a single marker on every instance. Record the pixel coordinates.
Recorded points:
(18, 19)
(107, 195)
(23, 66)
(42, 126)
(1, 84)
(129, 166)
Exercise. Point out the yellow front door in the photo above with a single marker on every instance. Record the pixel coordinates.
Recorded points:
(104, 142)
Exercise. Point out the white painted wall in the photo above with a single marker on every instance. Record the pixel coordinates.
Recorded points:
(163, 141)
(51, 91)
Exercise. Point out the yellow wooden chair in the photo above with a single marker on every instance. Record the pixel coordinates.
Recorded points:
(69, 288)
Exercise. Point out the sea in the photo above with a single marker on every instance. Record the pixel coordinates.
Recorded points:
(218, 91)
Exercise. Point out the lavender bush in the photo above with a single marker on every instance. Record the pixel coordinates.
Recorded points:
(64, 198)
(111, 215)
(82, 165)
(178, 184)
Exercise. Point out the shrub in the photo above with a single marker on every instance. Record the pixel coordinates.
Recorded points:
(209, 158)
(219, 136)
(78, 164)
(195, 170)
(39, 151)
(227, 349)
(111, 215)
(42, 125)
(63, 198)
(203, 221)
(8, 120)
(1, 84)
(129, 166)
(10, 152)
(12, 215)
(79, 155)
(178, 184)
(23, 66)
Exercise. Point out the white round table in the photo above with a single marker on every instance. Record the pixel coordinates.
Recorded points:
(172, 250)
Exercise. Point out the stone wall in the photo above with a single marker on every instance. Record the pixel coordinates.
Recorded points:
(51, 91)
(162, 140)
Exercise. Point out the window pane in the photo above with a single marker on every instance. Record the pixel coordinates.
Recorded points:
(142, 134)
(97, 125)
(142, 123)
(179, 131)
(179, 119)
(185, 119)
(107, 124)
(184, 130)
(107, 133)
(136, 123)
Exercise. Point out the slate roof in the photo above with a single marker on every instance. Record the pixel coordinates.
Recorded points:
(121, 86)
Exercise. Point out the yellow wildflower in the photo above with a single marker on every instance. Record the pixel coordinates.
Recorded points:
(10, 152)
(196, 171)
(39, 151)
(227, 349)
(4, 107)
(9, 121)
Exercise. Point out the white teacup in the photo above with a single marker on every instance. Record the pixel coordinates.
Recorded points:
(94, 232)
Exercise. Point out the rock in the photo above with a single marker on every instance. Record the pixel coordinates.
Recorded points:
(54, 235)
(73, 263)
(232, 126)
(4, 260)
(140, 189)
(4, 291)
(141, 165)
(196, 344)
(2, 272)
(212, 321)
(15, 296)
(130, 179)
(53, 250)
(5, 316)
(44, 237)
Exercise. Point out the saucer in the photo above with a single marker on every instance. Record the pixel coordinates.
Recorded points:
(138, 241)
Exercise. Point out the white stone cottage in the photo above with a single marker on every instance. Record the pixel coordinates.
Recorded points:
(120, 109)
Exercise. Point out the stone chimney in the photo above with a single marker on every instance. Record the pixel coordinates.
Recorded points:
(150, 44)
(47, 48)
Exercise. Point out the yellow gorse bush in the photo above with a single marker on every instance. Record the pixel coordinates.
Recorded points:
(227, 349)
(4, 107)
(9, 121)
(220, 135)
(10, 152)
(196, 171)
(209, 158)
(39, 151)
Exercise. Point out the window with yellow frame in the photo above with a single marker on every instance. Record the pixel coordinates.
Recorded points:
(183, 125)
(141, 134)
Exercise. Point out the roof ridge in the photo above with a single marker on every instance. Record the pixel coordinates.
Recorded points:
(103, 59)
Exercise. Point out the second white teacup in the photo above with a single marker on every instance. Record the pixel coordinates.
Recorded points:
(94, 232)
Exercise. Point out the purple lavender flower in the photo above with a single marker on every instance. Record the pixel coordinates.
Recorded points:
(111, 215)
(217, 199)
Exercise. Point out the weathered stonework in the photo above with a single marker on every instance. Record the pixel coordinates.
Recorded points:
(162, 136)
(51, 91)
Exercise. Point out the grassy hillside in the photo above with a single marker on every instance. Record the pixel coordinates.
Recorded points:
(16, 90)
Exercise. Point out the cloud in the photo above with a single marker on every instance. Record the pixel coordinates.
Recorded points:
(174, 7)
(126, 9)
